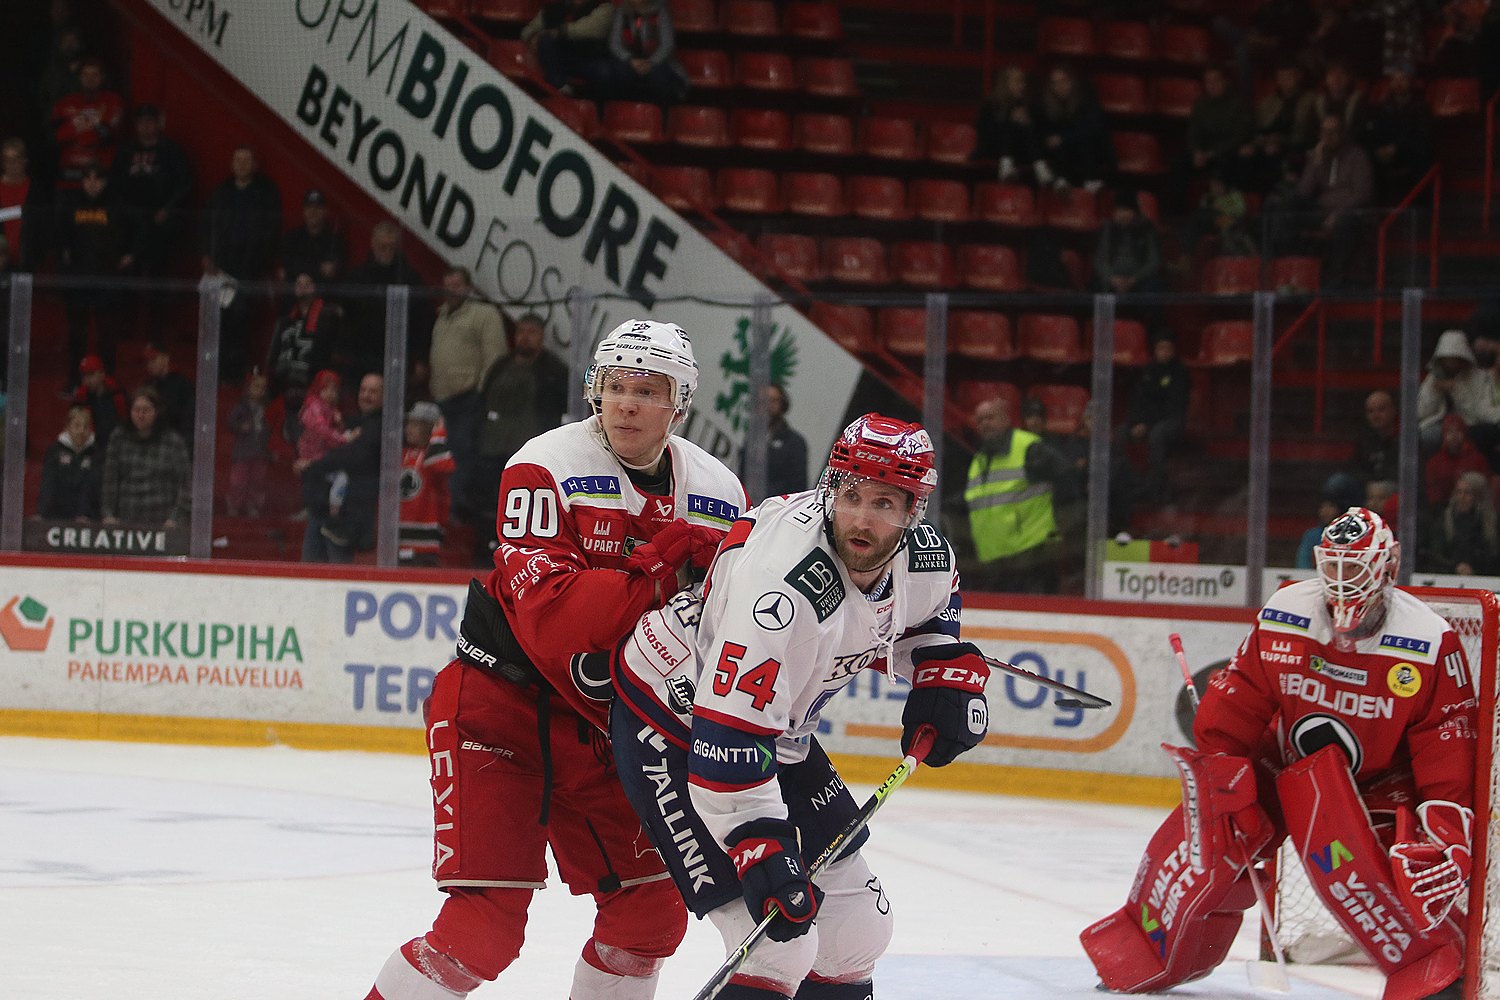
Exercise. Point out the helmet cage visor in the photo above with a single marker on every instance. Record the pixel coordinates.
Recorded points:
(1356, 562)
(851, 493)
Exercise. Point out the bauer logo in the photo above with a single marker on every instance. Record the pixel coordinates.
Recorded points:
(25, 625)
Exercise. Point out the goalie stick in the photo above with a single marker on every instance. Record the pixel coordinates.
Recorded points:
(920, 744)
(1074, 697)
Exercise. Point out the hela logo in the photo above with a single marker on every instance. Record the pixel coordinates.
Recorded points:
(25, 625)
(1330, 857)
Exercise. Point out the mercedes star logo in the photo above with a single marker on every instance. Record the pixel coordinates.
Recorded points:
(773, 611)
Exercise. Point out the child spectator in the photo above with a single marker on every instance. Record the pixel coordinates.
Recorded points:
(322, 424)
(1455, 456)
(1465, 540)
(72, 471)
(146, 469)
(250, 454)
(1006, 126)
(426, 464)
(174, 388)
(101, 394)
(1217, 228)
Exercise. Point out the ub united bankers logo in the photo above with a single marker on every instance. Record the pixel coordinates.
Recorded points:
(773, 611)
(816, 579)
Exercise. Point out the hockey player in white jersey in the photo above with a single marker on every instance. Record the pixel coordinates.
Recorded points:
(718, 696)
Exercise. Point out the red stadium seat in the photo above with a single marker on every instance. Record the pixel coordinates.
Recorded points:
(877, 197)
(1064, 405)
(1296, 274)
(693, 16)
(1075, 209)
(923, 264)
(770, 71)
(637, 170)
(849, 326)
(517, 11)
(940, 200)
(685, 189)
(855, 260)
(1006, 204)
(513, 57)
(969, 393)
(1065, 36)
(698, 126)
(758, 128)
(577, 113)
(706, 69)
(750, 190)
(1184, 43)
(1225, 344)
(1130, 344)
(950, 142)
(832, 135)
(1231, 275)
(1138, 153)
(1174, 96)
(633, 122)
(889, 138)
(794, 256)
(737, 246)
(1128, 40)
(828, 76)
(990, 267)
(980, 336)
(1451, 98)
(751, 18)
(1052, 339)
(1122, 94)
(903, 331)
(818, 194)
(814, 21)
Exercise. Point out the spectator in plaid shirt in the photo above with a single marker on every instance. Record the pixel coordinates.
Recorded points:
(146, 470)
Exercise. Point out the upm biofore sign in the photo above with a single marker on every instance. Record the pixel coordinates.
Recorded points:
(492, 181)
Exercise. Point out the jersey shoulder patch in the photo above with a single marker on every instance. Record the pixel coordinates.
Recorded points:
(927, 550)
(817, 578)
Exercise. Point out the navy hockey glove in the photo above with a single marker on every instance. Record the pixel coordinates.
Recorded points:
(947, 693)
(769, 863)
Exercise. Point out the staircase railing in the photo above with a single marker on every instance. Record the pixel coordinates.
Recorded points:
(1433, 179)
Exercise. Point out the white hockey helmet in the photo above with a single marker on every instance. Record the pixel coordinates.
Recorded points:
(1357, 559)
(645, 345)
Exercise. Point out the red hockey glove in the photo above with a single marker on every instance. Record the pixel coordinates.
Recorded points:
(769, 863)
(947, 693)
(1431, 874)
(1221, 814)
(671, 548)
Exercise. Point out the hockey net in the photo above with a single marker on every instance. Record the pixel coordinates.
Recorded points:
(1306, 931)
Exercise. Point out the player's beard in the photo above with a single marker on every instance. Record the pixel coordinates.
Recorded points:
(863, 560)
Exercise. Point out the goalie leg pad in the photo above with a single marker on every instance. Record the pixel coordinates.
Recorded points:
(1347, 867)
(1176, 925)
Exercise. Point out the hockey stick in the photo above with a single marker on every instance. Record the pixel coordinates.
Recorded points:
(1075, 697)
(1260, 973)
(920, 745)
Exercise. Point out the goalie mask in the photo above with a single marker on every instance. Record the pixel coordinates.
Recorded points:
(639, 348)
(881, 450)
(1357, 559)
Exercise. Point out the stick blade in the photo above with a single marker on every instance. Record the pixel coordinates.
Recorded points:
(1267, 976)
(1090, 701)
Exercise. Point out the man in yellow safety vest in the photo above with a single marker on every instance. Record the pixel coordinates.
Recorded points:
(1009, 498)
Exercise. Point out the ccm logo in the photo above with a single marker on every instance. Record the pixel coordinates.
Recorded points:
(951, 676)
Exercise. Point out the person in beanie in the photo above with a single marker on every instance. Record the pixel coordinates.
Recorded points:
(426, 464)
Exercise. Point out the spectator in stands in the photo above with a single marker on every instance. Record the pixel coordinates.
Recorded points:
(1381, 497)
(1455, 456)
(241, 226)
(334, 536)
(101, 394)
(174, 389)
(322, 423)
(72, 471)
(642, 44)
(1377, 451)
(1398, 134)
(250, 452)
(154, 179)
(1158, 413)
(315, 247)
(786, 450)
(1219, 125)
(1465, 540)
(1286, 126)
(86, 125)
(64, 67)
(97, 237)
(569, 39)
(426, 465)
(468, 337)
(1454, 385)
(1401, 29)
(1009, 499)
(1337, 183)
(1219, 227)
(1328, 509)
(1075, 146)
(1342, 98)
(365, 308)
(1006, 126)
(301, 344)
(1127, 257)
(1070, 491)
(17, 191)
(147, 473)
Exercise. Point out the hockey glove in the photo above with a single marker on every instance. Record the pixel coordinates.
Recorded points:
(1222, 816)
(673, 547)
(1432, 873)
(947, 693)
(769, 863)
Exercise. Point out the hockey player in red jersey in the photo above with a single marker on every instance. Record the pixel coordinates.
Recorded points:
(599, 522)
(1345, 720)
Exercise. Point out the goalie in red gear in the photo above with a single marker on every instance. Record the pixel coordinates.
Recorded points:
(1346, 720)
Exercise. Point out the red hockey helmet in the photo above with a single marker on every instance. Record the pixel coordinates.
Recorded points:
(884, 450)
(1357, 559)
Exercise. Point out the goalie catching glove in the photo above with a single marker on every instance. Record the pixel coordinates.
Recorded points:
(1431, 874)
(769, 863)
(947, 693)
